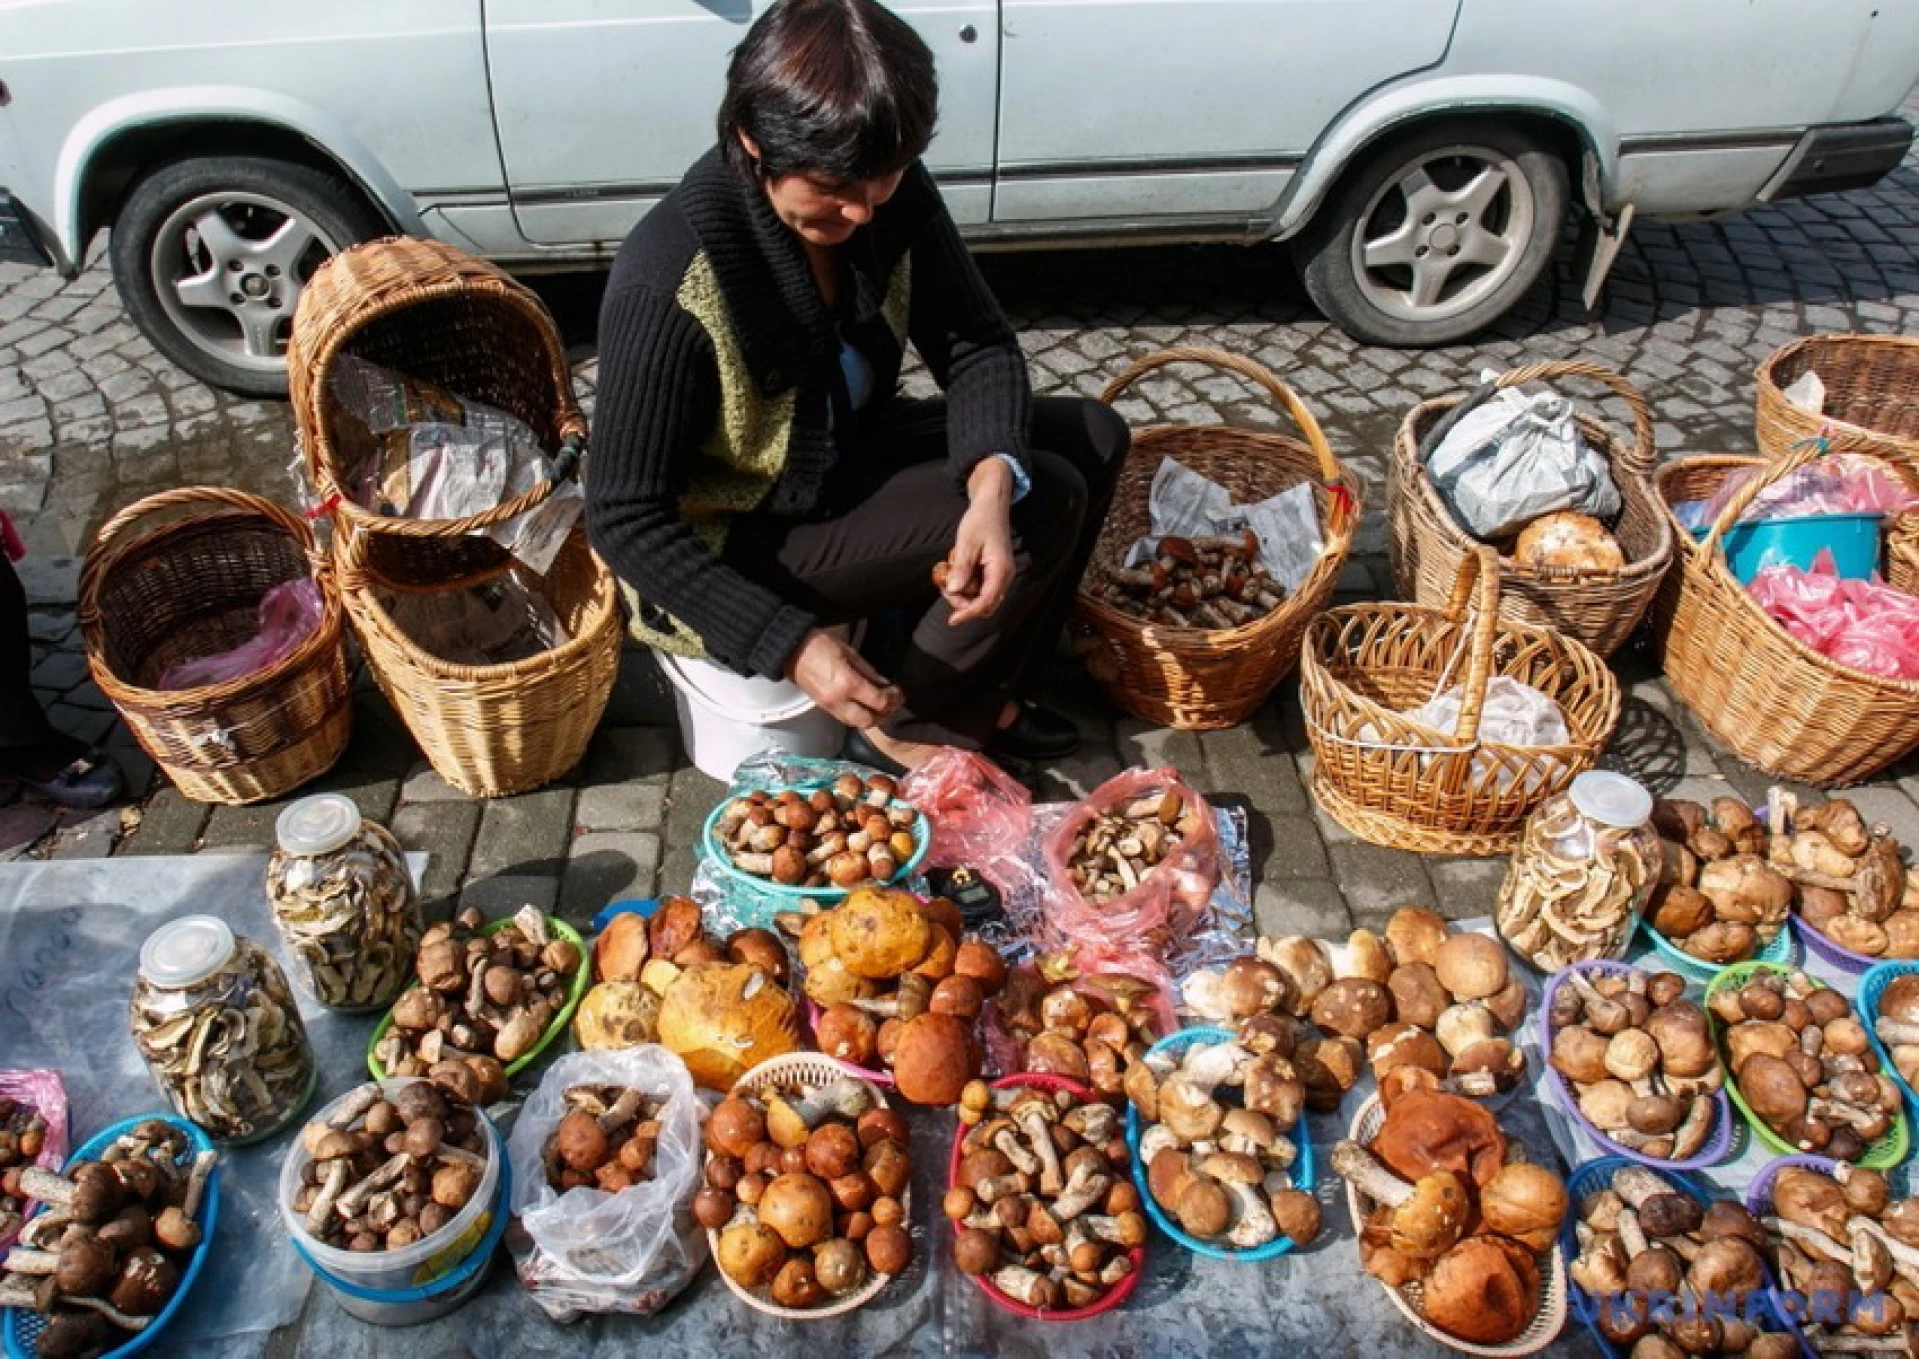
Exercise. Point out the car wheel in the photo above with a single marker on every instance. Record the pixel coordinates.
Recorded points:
(210, 255)
(1437, 235)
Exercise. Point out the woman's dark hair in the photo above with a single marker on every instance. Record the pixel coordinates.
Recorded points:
(841, 88)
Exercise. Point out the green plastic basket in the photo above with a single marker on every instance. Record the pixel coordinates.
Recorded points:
(582, 975)
(1887, 1152)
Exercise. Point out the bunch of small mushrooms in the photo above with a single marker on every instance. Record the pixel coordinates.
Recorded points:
(23, 1134)
(1896, 1021)
(1639, 1057)
(1718, 898)
(483, 1000)
(108, 1254)
(1041, 1203)
(1847, 1253)
(1215, 1143)
(390, 1170)
(1116, 849)
(637, 958)
(847, 833)
(606, 1139)
(1669, 1276)
(1208, 582)
(1804, 1065)
(806, 1187)
(1852, 879)
(1089, 1027)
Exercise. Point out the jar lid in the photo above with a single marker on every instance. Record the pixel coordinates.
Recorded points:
(1611, 799)
(318, 825)
(184, 951)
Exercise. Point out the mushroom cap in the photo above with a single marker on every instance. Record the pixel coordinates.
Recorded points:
(1426, 1131)
(1526, 1202)
(1252, 985)
(1484, 1290)
(1414, 935)
(1230, 1167)
(1204, 1209)
(1418, 998)
(880, 932)
(1432, 1219)
(934, 1058)
(724, 1018)
(1352, 1008)
(1471, 966)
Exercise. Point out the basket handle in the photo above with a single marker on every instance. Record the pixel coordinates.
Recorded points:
(1256, 373)
(1478, 576)
(93, 568)
(1638, 459)
(1768, 471)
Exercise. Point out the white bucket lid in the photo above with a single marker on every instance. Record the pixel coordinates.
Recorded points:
(705, 684)
(1611, 799)
(318, 824)
(184, 951)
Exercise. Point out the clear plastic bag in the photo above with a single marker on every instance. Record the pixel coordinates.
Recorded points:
(289, 613)
(496, 622)
(1517, 457)
(590, 1251)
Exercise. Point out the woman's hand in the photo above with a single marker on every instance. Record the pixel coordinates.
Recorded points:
(837, 677)
(980, 567)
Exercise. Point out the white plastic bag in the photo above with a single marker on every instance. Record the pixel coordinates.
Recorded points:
(1185, 504)
(590, 1251)
(1514, 714)
(1515, 458)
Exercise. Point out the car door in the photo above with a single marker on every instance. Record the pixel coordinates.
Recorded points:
(1185, 111)
(602, 104)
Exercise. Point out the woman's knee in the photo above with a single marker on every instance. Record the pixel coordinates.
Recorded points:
(1048, 517)
(1084, 430)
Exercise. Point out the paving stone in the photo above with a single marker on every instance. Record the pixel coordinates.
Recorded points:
(49, 580)
(621, 807)
(507, 892)
(1466, 888)
(1310, 906)
(424, 784)
(171, 823)
(242, 828)
(1292, 847)
(1378, 881)
(605, 866)
(88, 725)
(526, 834)
(445, 831)
(22, 825)
(622, 754)
(87, 836)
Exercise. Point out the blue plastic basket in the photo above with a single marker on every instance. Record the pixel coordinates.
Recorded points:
(1780, 950)
(1853, 540)
(23, 1327)
(1871, 987)
(710, 848)
(1302, 1168)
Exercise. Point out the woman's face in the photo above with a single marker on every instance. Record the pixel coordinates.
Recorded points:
(822, 210)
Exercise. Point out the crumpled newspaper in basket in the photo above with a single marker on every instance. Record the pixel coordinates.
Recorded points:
(1185, 504)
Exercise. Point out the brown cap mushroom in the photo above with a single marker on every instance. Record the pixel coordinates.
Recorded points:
(1484, 1290)
(1352, 1008)
(1471, 966)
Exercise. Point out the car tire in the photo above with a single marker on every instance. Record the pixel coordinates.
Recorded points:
(209, 255)
(1435, 235)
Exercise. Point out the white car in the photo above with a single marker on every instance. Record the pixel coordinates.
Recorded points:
(1422, 156)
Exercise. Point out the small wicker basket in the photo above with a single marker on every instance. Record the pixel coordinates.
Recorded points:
(1202, 679)
(1872, 396)
(1599, 608)
(180, 575)
(1398, 783)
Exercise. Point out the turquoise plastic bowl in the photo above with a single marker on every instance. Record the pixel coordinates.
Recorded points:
(1853, 540)
(1778, 951)
(710, 847)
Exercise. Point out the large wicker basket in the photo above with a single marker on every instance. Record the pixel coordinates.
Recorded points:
(1399, 783)
(431, 312)
(1200, 679)
(1599, 608)
(1872, 396)
(180, 575)
(1768, 698)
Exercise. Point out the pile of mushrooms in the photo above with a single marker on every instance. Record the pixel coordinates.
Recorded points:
(806, 1187)
(1717, 898)
(108, 1254)
(1896, 1020)
(1208, 582)
(1848, 1257)
(1089, 1027)
(482, 1002)
(390, 1171)
(606, 1139)
(1041, 1202)
(1803, 1064)
(898, 985)
(1215, 1143)
(636, 960)
(1852, 880)
(1640, 1059)
(23, 1134)
(1670, 1277)
(1451, 1215)
(1117, 848)
(839, 836)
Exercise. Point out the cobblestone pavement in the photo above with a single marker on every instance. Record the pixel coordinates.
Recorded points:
(91, 416)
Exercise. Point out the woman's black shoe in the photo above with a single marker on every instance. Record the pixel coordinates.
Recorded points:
(862, 751)
(1038, 733)
(90, 780)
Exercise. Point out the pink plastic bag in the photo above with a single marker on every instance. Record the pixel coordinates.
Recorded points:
(1862, 624)
(978, 811)
(43, 1092)
(1162, 911)
(289, 613)
(1843, 483)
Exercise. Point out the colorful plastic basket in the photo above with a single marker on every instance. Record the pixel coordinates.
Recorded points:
(582, 978)
(23, 1328)
(1136, 1128)
(1883, 1154)
(1871, 987)
(1778, 951)
(722, 863)
(1718, 1141)
(1115, 1295)
(1840, 957)
(1759, 1204)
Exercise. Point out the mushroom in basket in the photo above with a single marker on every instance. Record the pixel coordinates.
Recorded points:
(23, 1133)
(1090, 1027)
(1852, 879)
(1848, 1251)
(1717, 898)
(838, 836)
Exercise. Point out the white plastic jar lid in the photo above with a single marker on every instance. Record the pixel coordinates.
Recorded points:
(317, 825)
(1611, 799)
(184, 951)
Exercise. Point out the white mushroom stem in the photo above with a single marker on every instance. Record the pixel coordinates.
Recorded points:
(1116, 1269)
(354, 1199)
(846, 1097)
(197, 1183)
(322, 1206)
(1021, 1284)
(1631, 1235)
(1635, 1185)
(981, 1218)
(1093, 1122)
(1904, 1258)
(1833, 1111)
(44, 1229)
(996, 1187)
(624, 1110)
(1872, 1264)
(1354, 1163)
(46, 1186)
(1691, 1133)
(363, 1097)
(32, 1261)
(1896, 1030)
(532, 922)
(1253, 1222)
(1861, 1344)
(15, 1291)
(1007, 1141)
(1085, 1188)
(447, 1151)
(111, 1313)
(1032, 1119)
(1812, 1239)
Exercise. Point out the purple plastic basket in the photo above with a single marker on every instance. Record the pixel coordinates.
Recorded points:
(1718, 1141)
(1759, 1204)
(1842, 958)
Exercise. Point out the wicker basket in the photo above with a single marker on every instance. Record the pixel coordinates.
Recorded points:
(1408, 786)
(1599, 608)
(1201, 679)
(436, 314)
(1872, 396)
(495, 729)
(1767, 697)
(180, 575)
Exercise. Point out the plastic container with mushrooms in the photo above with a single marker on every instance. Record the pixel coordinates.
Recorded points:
(1845, 1252)
(1719, 898)
(822, 839)
(1053, 1020)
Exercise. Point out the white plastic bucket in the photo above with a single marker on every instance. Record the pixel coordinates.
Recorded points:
(724, 717)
